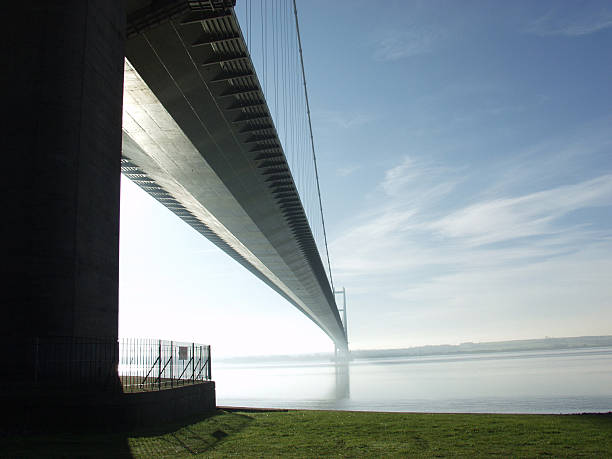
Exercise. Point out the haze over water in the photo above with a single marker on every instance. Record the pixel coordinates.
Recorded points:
(559, 381)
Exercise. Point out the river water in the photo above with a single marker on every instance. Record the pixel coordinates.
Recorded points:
(561, 381)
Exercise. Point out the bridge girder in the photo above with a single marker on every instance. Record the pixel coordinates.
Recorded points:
(198, 135)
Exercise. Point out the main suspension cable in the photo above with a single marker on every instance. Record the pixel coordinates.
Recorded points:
(314, 157)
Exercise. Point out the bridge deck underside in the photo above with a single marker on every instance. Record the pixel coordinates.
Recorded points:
(198, 136)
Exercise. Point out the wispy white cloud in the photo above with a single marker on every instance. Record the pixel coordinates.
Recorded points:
(408, 42)
(528, 215)
(384, 238)
(414, 179)
(444, 250)
(344, 119)
(566, 293)
(345, 171)
(589, 19)
(400, 176)
(547, 161)
(412, 239)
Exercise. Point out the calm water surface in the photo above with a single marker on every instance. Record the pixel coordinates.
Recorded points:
(567, 381)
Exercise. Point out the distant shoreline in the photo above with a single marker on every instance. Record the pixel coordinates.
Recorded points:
(580, 342)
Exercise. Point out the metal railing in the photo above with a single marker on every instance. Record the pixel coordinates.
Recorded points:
(77, 363)
(147, 364)
(60, 362)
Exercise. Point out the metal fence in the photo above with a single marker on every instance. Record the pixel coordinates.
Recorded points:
(88, 363)
(74, 362)
(60, 363)
(147, 364)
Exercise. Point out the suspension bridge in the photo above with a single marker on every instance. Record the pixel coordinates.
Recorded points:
(205, 111)
(216, 127)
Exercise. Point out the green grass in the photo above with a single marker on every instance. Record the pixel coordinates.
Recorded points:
(339, 434)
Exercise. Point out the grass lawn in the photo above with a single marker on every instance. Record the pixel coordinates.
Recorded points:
(338, 434)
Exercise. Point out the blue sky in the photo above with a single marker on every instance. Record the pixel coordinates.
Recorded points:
(465, 155)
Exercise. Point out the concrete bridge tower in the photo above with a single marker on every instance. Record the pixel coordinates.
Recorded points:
(61, 180)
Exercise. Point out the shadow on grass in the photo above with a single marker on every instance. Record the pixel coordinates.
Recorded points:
(52, 425)
(65, 444)
(190, 437)
(187, 437)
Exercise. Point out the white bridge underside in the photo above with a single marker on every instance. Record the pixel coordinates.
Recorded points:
(199, 165)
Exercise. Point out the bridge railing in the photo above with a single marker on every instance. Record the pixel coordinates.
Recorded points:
(150, 364)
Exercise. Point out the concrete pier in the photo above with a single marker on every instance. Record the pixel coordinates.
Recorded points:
(61, 183)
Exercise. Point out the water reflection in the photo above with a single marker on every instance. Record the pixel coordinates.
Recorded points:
(343, 380)
(537, 382)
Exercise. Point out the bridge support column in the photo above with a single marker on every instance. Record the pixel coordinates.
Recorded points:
(61, 186)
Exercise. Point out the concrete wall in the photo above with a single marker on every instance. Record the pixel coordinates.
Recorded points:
(82, 411)
(61, 178)
(143, 409)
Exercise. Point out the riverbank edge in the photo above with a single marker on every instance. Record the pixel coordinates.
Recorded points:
(251, 409)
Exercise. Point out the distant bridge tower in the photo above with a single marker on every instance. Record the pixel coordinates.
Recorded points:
(343, 352)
